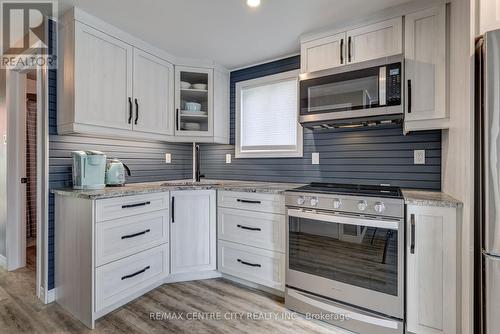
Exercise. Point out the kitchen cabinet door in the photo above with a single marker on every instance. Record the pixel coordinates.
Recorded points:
(323, 53)
(374, 41)
(425, 69)
(193, 231)
(489, 11)
(102, 79)
(153, 94)
(432, 269)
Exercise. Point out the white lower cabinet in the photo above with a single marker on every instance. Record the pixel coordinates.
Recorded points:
(193, 231)
(432, 295)
(109, 251)
(251, 237)
(252, 264)
(120, 279)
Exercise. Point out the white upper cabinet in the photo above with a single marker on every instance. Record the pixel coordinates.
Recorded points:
(374, 41)
(102, 79)
(364, 43)
(153, 94)
(425, 69)
(489, 11)
(323, 53)
(432, 269)
(194, 101)
(112, 84)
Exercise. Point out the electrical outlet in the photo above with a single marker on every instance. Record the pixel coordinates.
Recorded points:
(315, 158)
(228, 158)
(168, 158)
(419, 157)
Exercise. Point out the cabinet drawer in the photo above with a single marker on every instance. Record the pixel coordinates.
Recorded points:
(116, 239)
(118, 280)
(113, 208)
(252, 201)
(259, 229)
(252, 264)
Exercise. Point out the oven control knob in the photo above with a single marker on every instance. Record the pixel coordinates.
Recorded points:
(362, 205)
(314, 201)
(379, 207)
(337, 203)
(300, 200)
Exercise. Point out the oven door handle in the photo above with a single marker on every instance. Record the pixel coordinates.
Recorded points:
(387, 224)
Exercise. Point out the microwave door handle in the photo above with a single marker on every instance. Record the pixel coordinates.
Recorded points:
(339, 219)
(382, 86)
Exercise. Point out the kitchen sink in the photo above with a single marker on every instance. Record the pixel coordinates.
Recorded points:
(189, 184)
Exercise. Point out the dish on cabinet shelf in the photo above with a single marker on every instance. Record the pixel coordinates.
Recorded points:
(193, 113)
(192, 106)
(191, 126)
(200, 86)
(185, 85)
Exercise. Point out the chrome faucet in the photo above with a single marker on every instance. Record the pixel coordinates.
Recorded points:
(196, 163)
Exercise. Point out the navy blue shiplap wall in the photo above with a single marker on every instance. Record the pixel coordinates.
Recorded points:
(146, 160)
(361, 156)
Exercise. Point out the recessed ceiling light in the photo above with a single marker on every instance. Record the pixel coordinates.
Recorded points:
(253, 3)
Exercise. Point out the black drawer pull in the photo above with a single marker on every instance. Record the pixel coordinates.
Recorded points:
(412, 234)
(249, 228)
(248, 201)
(135, 234)
(127, 206)
(249, 264)
(136, 273)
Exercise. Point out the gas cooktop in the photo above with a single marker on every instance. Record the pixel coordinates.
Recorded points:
(351, 189)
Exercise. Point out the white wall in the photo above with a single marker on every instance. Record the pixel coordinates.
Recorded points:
(3, 165)
(458, 142)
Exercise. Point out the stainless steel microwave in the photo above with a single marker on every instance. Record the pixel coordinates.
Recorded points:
(367, 91)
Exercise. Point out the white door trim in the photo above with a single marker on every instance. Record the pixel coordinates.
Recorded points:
(16, 223)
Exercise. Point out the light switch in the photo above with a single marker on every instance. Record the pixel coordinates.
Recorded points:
(168, 158)
(315, 158)
(228, 158)
(419, 157)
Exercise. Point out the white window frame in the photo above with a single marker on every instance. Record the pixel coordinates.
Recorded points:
(270, 152)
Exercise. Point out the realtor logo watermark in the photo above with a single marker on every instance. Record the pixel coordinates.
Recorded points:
(25, 34)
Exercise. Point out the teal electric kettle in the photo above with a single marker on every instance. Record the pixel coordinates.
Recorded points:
(115, 173)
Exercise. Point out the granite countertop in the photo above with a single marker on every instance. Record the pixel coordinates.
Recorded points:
(430, 198)
(154, 187)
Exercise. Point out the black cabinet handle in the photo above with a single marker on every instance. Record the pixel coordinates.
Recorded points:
(249, 228)
(136, 234)
(248, 201)
(130, 112)
(127, 206)
(249, 264)
(412, 234)
(342, 51)
(409, 96)
(172, 210)
(177, 119)
(136, 273)
(349, 43)
(136, 111)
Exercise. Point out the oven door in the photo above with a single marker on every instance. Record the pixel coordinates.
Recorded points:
(350, 259)
(355, 93)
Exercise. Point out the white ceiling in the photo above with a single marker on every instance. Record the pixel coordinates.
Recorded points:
(226, 31)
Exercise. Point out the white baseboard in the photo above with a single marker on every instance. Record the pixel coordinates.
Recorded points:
(192, 276)
(51, 296)
(3, 262)
(254, 285)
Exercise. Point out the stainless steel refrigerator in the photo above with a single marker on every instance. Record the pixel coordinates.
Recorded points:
(488, 183)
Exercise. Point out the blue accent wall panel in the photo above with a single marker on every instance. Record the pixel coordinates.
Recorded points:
(375, 155)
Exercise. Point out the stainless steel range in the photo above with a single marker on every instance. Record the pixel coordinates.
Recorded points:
(345, 256)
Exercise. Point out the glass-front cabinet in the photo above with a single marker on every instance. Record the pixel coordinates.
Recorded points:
(193, 101)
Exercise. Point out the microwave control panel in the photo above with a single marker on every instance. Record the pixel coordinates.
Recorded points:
(394, 84)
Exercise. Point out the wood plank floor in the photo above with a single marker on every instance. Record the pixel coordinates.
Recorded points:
(20, 312)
